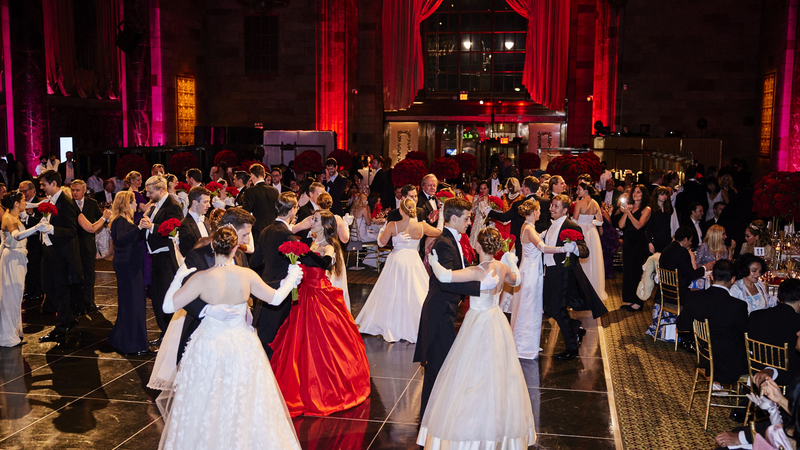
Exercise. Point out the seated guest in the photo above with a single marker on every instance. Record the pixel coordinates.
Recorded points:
(714, 220)
(676, 256)
(713, 246)
(106, 196)
(748, 286)
(727, 321)
(779, 325)
(694, 220)
(755, 235)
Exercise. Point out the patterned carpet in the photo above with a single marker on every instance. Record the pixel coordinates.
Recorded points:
(652, 384)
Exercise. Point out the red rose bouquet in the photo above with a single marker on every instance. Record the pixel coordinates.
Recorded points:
(47, 208)
(180, 162)
(443, 195)
(214, 187)
(418, 156)
(467, 163)
(569, 236)
(376, 210)
(226, 156)
(308, 161)
(180, 186)
(129, 163)
(409, 171)
(444, 168)
(232, 191)
(530, 161)
(508, 241)
(496, 203)
(169, 227)
(466, 248)
(294, 250)
(343, 158)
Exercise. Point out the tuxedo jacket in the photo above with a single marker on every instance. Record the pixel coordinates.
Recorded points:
(693, 191)
(777, 326)
(708, 224)
(696, 240)
(387, 196)
(571, 287)
(34, 243)
(189, 233)
(202, 258)
(427, 208)
(62, 169)
(727, 322)
(240, 196)
(438, 317)
(615, 194)
(65, 249)
(395, 216)
(337, 189)
(171, 209)
(91, 210)
(259, 200)
(379, 182)
(544, 213)
(516, 221)
(100, 197)
(675, 257)
(276, 265)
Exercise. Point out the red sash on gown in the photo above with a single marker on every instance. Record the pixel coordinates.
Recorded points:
(320, 361)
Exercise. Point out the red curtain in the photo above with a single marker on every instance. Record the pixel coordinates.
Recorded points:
(403, 69)
(547, 49)
(604, 98)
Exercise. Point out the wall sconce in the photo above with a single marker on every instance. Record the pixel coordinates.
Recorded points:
(467, 45)
(509, 45)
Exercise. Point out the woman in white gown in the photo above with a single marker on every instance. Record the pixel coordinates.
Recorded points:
(480, 399)
(13, 267)
(528, 303)
(395, 303)
(588, 215)
(226, 395)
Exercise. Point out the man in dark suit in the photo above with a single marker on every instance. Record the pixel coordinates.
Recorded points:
(276, 177)
(437, 325)
(694, 220)
(557, 186)
(530, 185)
(780, 325)
(727, 321)
(106, 196)
(336, 186)
(195, 225)
(161, 248)
(376, 177)
(276, 266)
(308, 209)
(387, 196)
(33, 279)
(202, 257)
(87, 246)
(676, 256)
(68, 170)
(718, 207)
(240, 179)
(60, 254)
(610, 196)
(693, 192)
(567, 286)
(259, 200)
(407, 191)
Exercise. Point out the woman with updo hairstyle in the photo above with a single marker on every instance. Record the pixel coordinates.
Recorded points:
(394, 306)
(748, 286)
(13, 268)
(499, 411)
(134, 182)
(224, 367)
(756, 235)
(319, 357)
(589, 216)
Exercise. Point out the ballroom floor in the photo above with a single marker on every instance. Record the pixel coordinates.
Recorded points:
(84, 395)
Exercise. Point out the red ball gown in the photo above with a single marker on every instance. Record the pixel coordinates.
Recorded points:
(320, 361)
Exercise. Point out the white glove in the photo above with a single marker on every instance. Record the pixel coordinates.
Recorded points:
(230, 201)
(597, 223)
(769, 406)
(571, 247)
(23, 215)
(183, 197)
(16, 234)
(510, 260)
(293, 278)
(548, 249)
(489, 282)
(444, 275)
(348, 219)
(177, 282)
(42, 225)
(217, 203)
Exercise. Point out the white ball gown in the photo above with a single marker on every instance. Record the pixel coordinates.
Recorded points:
(395, 303)
(480, 400)
(226, 395)
(13, 267)
(593, 265)
(528, 304)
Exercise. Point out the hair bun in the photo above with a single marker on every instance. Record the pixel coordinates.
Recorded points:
(224, 240)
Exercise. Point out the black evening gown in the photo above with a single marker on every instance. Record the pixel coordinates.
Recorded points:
(129, 334)
(634, 254)
(659, 230)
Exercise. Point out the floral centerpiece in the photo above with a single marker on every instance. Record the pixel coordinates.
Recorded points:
(169, 227)
(180, 162)
(308, 161)
(343, 158)
(409, 171)
(467, 163)
(777, 194)
(444, 168)
(129, 163)
(571, 167)
(294, 250)
(530, 161)
(226, 156)
(419, 156)
(569, 236)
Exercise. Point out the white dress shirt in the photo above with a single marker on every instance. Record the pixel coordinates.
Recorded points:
(458, 245)
(94, 183)
(159, 204)
(108, 196)
(495, 186)
(699, 231)
(397, 202)
(432, 201)
(609, 197)
(278, 187)
(551, 239)
(201, 225)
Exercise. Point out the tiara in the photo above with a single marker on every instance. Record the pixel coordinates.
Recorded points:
(753, 227)
(229, 225)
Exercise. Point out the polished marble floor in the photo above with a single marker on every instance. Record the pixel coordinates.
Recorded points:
(84, 395)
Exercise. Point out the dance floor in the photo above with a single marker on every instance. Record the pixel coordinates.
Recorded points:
(84, 395)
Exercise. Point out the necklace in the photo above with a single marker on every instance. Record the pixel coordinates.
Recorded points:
(224, 264)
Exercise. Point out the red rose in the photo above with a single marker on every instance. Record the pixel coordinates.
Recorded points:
(232, 191)
(214, 187)
(169, 227)
(496, 203)
(296, 248)
(444, 195)
(570, 235)
(47, 208)
(182, 187)
(226, 156)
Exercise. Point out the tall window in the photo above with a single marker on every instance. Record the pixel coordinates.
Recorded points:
(474, 45)
(767, 108)
(260, 45)
(187, 114)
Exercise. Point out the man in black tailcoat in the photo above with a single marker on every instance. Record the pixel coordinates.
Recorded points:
(240, 179)
(195, 225)
(407, 191)
(437, 325)
(567, 286)
(259, 200)
(33, 279)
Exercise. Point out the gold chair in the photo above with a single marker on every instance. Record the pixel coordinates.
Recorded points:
(702, 339)
(761, 355)
(358, 245)
(670, 297)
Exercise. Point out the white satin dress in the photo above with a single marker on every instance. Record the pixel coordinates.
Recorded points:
(528, 304)
(593, 265)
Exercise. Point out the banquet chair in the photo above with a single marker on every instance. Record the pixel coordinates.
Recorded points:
(761, 355)
(670, 297)
(359, 245)
(702, 338)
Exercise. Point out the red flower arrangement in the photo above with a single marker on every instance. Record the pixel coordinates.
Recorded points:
(571, 167)
(182, 161)
(343, 158)
(409, 171)
(467, 163)
(47, 208)
(169, 227)
(569, 236)
(466, 248)
(496, 203)
(226, 156)
(232, 191)
(294, 250)
(443, 195)
(777, 194)
(245, 165)
(530, 161)
(214, 187)
(180, 186)
(308, 161)
(377, 209)
(129, 163)
(444, 168)
(419, 156)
